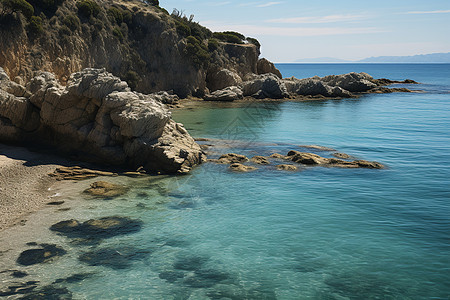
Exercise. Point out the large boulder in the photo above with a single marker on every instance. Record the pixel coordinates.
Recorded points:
(98, 117)
(265, 86)
(265, 67)
(218, 80)
(352, 82)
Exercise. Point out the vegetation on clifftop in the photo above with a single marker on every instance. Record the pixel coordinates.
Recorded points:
(86, 30)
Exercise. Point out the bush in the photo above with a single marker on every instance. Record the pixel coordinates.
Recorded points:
(229, 37)
(254, 42)
(197, 52)
(183, 29)
(116, 14)
(35, 25)
(64, 31)
(72, 22)
(117, 33)
(132, 78)
(17, 6)
(213, 44)
(88, 8)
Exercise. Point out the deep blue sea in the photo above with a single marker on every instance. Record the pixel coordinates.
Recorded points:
(318, 233)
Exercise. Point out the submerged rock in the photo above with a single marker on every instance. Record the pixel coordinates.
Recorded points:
(190, 263)
(49, 292)
(105, 189)
(98, 228)
(287, 168)
(40, 255)
(114, 257)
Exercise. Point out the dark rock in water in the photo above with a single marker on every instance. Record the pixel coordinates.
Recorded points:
(190, 263)
(142, 195)
(261, 160)
(41, 255)
(103, 189)
(98, 228)
(185, 204)
(176, 243)
(234, 292)
(341, 155)
(114, 258)
(74, 278)
(205, 278)
(19, 289)
(18, 274)
(55, 203)
(171, 276)
(49, 293)
(66, 226)
(286, 167)
(362, 286)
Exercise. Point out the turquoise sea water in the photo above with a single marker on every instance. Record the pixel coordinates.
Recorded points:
(319, 233)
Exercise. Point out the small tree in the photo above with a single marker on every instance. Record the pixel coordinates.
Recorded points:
(17, 6)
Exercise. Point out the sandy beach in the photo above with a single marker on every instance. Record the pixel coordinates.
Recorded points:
(24, 183)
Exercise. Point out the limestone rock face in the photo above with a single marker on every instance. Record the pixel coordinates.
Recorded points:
(97, 116)
(264, 67)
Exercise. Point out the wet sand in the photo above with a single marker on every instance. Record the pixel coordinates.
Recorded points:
(24, 183)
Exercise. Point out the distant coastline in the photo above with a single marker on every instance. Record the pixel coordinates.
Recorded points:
(434, 58)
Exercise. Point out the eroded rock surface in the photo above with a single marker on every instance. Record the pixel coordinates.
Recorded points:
(99, 118)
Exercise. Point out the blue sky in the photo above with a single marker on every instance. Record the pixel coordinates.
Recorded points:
(348, 29)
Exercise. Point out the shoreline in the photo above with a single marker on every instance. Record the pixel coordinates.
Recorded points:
(25, 186)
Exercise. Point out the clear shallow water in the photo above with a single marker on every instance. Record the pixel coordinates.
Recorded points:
(319, 233)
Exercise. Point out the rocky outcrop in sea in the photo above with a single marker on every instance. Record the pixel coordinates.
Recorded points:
(99, 118)
(271, 85)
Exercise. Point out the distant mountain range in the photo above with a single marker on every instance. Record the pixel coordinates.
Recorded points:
(422, 58)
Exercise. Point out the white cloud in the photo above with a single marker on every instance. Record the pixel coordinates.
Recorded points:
(219, 3)
(317, 20)
(256, 31)
(268, 4)
(428, 12)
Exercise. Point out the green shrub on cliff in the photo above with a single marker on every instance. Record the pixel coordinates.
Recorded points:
(120, 15)
(17, 6)
(229, 37)
(88, 8)
(35, 25)
(197, 52)
(72, 22)
(132, 78)
(254, 42)
(213, 44)
(117, 33)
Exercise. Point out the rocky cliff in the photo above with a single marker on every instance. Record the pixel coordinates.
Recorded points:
(135, 40)
(98, 117)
